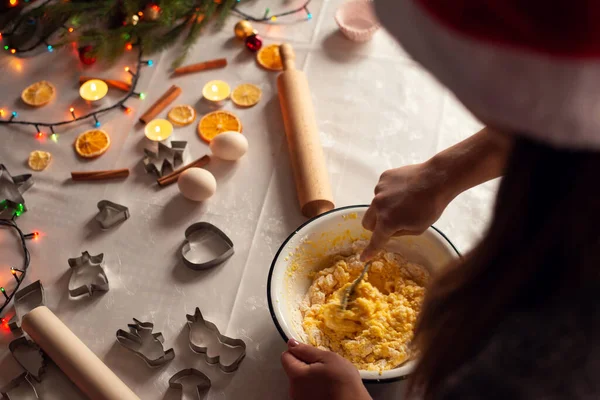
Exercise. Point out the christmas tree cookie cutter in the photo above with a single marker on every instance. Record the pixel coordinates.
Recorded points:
(29, 356)
(201, 232)
(111, 214)
(87, 275)
(212, 356)
(203, 386)
(20, 388)
(140, 335)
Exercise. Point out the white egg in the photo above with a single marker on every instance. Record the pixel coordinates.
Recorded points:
(197, 184)
(229, 146)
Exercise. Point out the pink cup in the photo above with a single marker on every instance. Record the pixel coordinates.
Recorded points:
(357, 20)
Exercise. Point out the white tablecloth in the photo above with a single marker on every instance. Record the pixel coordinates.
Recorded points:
(376, 110)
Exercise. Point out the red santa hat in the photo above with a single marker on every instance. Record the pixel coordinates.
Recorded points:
(528, 66)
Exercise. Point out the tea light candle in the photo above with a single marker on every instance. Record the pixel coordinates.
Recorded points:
(216, 91)
(93, 90)
(158, 129)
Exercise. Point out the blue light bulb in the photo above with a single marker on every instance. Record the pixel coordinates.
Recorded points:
(150, 63)
(97, 124)
(309, 16)
(14, 114)
(50, 48)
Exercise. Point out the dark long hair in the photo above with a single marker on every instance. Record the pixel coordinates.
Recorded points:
(543, 244)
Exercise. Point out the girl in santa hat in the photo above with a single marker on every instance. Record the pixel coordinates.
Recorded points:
(519, 316)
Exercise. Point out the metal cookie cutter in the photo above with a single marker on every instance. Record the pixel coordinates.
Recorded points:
(204, 384)
(111, 214)
(13, 187)
(201, 231)
(161, 157)
(26, 299)
(29, 356)
(197, 318)
(20, 388)
(87, 267)
(140, 334)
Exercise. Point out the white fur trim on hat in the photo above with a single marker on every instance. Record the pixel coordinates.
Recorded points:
(548, 98)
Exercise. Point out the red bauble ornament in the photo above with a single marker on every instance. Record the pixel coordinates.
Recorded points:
(86, 56)
(253, 42)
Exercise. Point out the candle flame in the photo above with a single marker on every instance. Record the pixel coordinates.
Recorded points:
(93, 87)
(214, 88)
(157, 129)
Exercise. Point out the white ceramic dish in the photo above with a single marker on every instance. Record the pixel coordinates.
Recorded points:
(357, 20)
(331, 233)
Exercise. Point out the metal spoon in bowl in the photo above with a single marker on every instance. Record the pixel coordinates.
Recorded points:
(352, 287)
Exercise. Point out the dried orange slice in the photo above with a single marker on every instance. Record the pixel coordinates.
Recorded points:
(246, 95)
(38, 94)
(92, 143)
(39, 160)
(182, 115)
(218, 122)
(269, 58)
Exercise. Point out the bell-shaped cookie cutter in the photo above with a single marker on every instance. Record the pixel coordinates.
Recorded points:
(197, 318)
(110, 214)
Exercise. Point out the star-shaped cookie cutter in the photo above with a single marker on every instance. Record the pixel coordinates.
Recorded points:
(162, 156)
(197, 318)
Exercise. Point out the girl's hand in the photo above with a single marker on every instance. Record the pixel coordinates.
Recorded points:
(321, 375)
(407, 201)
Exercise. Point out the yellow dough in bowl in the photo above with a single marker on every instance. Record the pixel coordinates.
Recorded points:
(376, 329)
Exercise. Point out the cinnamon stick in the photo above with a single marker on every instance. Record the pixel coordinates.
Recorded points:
(100, 175)
(124, 86)
(203, 66)
(173, 176)
(160, 104)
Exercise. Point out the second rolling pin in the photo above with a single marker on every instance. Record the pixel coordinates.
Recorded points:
(306, 153)
(73, 357)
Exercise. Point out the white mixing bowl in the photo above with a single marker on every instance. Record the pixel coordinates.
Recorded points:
(306, 248)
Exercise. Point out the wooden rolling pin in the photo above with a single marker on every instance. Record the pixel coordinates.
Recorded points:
(306, 153)
(73, 357)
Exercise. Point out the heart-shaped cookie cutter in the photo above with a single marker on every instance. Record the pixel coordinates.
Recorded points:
(186, 248)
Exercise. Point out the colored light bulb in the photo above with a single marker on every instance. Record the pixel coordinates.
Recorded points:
(142, 96)
(54, 137)
(150, 63)
(2, 290)
(50, 48)
(70, 29)
(14, 114)
(13, 51)
(6, 47)
(309, 16)
(97, 124)
(128, 46)
(126, 69)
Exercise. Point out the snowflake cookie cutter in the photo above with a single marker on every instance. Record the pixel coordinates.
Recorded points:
(140, 333)
(110, 214)
(87, 264)
(203, 386)
(198, 231)
(198, 319)
(29, 356)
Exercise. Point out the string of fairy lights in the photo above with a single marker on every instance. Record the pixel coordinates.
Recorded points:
(39, 133)
(17, 273)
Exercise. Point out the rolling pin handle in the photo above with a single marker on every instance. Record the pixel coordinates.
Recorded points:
(287, 56)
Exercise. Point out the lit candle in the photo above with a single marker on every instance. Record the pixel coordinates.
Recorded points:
(158, 129)
(93, 90)
(216, 91)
